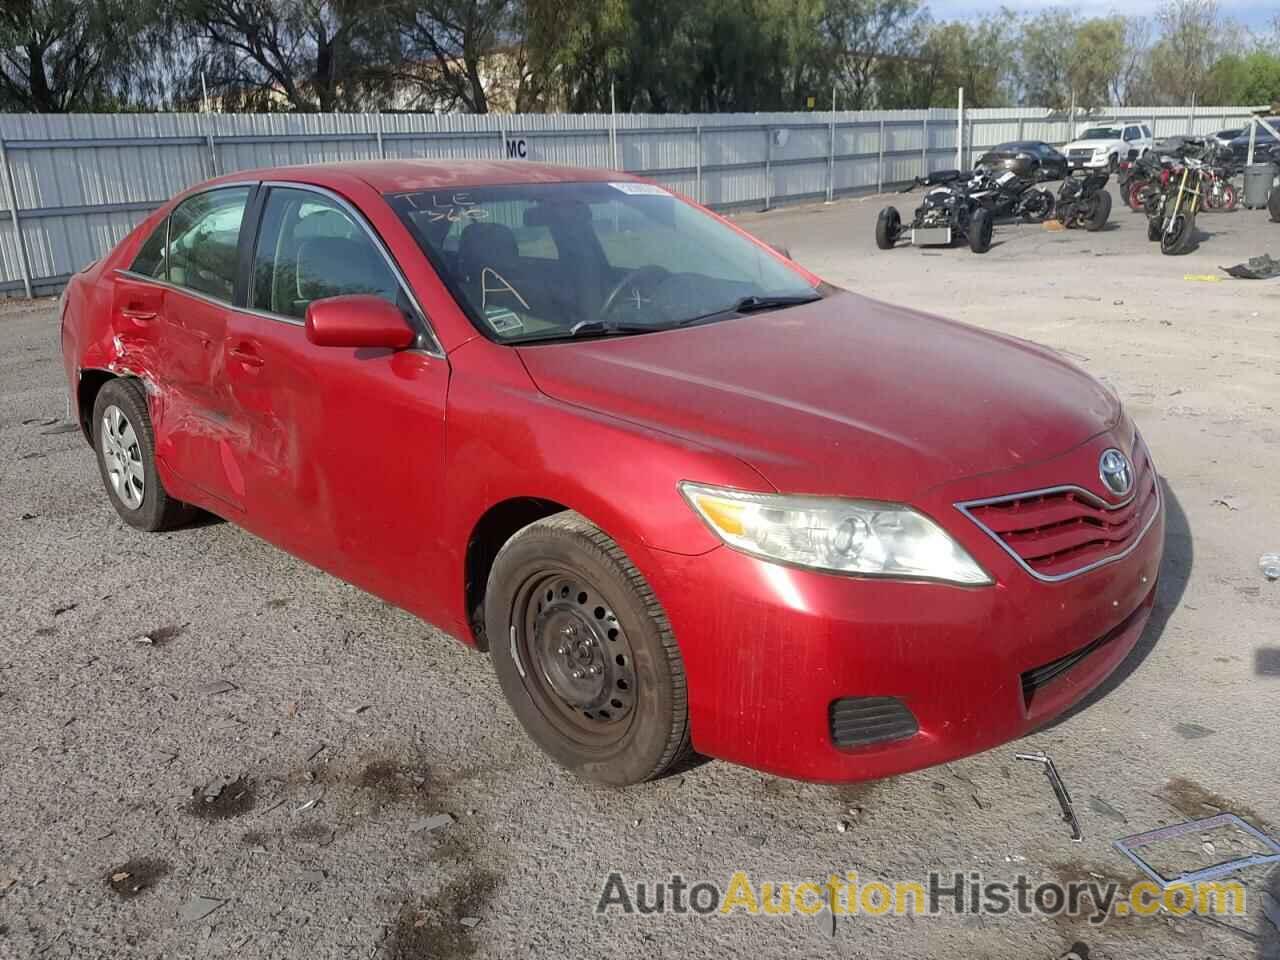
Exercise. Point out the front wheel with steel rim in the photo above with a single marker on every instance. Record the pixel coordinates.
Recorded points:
(125, 445)
(585, 654)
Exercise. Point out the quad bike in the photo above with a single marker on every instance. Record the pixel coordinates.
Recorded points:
(1174, 223)
(947, 213)
(1083, 200)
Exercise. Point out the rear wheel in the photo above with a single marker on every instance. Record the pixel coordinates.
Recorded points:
(126, 446)
(979, 232)
(1177, 239)
(584, 653)
(1155, 227)
(1134, 196)
(1113, 164)
(888, 228)
(1099, 211)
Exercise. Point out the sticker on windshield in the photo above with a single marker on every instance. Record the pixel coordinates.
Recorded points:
(640, 189)
(503, 320)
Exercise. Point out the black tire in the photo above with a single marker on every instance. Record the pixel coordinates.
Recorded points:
(1178, 240)
(629, 725)
(1099, 211)
(980, 230)
(1155, 227)
(156, 510)
(1273, 204)
(888, 228)
(1113, 164)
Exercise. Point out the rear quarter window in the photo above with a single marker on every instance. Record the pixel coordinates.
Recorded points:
(150, 259)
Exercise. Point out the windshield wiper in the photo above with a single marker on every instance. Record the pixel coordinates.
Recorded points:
(753, 304)
(589, 328)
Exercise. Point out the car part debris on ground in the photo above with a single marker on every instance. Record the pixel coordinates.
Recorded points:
(1059, 790)
(1256, 268)
(1129, 846)
(1269, 564)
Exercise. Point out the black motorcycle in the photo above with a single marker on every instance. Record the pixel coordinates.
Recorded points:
(1083, 200)
(947, 214)
(1011, 192)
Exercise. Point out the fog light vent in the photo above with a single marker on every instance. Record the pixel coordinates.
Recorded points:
(858, 721)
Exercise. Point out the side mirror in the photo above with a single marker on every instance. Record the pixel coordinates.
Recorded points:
(357, 320)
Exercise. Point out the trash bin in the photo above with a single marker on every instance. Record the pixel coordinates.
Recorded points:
(1257, 184)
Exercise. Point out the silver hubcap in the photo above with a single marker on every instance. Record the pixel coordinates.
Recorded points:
(122, 455)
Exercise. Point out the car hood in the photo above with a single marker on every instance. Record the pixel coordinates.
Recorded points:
(844, 396)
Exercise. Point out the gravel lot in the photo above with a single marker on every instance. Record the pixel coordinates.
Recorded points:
(349, 723)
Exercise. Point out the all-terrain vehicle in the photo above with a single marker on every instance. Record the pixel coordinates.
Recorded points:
(1083, 200)
(947, 214)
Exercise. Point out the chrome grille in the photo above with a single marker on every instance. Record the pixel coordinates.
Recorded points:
(1062, 532)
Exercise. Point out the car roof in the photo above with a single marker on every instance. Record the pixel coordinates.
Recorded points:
(402, 176)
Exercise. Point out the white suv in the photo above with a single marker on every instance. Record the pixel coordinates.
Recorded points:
(1106, 146)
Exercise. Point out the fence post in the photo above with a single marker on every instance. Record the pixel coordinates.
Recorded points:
(924, 147)
(768, 166)
(377, 118)
(880, 160)
(972, 147)
(831, 158)
(1021, 122)
(23, 264)
(697, 146)
(502, 140)
(213, 152)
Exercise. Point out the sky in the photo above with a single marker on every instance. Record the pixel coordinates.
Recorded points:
(1252, 14)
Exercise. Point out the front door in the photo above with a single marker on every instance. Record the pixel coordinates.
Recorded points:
(345, 446)
(197, 427)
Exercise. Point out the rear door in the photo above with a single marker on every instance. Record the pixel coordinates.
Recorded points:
(137, 303)
(343, 451)
(197, 427)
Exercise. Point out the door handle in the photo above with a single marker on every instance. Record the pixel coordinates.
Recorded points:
(246, 355)
(141, 314)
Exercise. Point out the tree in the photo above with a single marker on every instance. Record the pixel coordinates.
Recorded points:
(1193, 37)
(63, 55)
(304, 55)
(453, 50)
(1249, 80)
(1068, 61)
(862, 33)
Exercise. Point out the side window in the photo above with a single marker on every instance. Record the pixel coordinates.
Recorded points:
(309, 248)
(1146, 131)
(150, 259)
(204, 233)
(1131, 133)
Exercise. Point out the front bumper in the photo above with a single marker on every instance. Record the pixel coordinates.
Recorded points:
(768, 649)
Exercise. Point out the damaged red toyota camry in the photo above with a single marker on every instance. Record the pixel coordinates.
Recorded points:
(684, 493)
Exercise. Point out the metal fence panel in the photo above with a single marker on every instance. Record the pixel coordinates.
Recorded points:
(82, 181)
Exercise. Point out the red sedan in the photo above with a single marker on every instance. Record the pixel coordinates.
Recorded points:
(684, 493)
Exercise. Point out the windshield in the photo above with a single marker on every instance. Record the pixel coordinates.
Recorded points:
(552, 260)
(1101, 133)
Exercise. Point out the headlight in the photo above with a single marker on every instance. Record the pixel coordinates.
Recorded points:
(844, 536)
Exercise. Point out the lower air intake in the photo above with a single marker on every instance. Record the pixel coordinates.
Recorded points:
(859, 721)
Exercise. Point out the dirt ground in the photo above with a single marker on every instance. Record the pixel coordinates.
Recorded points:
(144, 813)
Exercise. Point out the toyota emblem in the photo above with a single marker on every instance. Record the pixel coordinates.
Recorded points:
(1116, 473)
